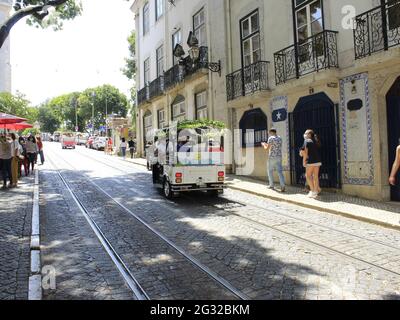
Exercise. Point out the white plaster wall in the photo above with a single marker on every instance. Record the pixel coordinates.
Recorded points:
(5, 67)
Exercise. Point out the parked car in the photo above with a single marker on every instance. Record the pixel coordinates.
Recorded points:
(81, 139)
(100, 143)
(89, 142)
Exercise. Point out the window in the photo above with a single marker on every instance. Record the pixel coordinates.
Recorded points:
(201, 105)
(176, 39)
(148, 125)
(161, 119)
(159, 9)
(199, 27)
(160, 60)
(178, 109)
(254, 126)
(250, 32)
(146, 71)
(146, 18)
(393, 15)
(309, 20)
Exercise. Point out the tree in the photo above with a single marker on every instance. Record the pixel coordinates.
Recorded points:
(130, 63)
(37, 11)
(97, 100)
(66, 109)
(17, 105)
(47, 118)
(130, 72)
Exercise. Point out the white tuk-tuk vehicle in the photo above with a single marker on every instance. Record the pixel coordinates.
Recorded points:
(189, 160)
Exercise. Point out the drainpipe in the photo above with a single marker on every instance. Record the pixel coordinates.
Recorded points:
(228, 49)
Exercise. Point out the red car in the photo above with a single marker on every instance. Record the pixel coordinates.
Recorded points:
(89, 143)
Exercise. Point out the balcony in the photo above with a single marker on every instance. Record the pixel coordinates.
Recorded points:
(316, 53)
(377, 29)
(173, 76)
(143, 95)
(247, 80)
(156, 87)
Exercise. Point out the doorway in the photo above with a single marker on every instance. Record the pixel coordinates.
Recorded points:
(393, 125)
(319, 113)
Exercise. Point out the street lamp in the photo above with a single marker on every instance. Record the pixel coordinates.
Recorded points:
(194, 53)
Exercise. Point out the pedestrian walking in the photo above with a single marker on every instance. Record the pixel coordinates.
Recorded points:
(312, 162)
(131, 144)
(15, 153)
(395, 168)
(40, 149)
(23, 160)
(110, 146)
(5, 160)
(274, 149)
(123, 147)
(31, 151)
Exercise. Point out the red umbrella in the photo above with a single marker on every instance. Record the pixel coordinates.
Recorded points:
(18, 126)
(8, 118)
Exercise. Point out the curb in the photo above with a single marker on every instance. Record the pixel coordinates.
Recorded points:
(35, 279)
(321, 209)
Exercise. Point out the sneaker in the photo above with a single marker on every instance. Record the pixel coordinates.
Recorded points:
(314, 195)
(310, 194)
(283, 189)
(271, 187)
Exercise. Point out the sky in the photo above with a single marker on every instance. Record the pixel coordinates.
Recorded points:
(88, 52)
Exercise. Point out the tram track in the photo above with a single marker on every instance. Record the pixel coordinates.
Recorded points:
(128, 276)
(283, 232)
(261, 208)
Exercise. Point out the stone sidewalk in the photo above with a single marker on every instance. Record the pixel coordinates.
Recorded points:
(383, 213)
(15, 231)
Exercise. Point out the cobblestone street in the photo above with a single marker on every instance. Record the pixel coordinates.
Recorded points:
(15, 231)
(256, 248)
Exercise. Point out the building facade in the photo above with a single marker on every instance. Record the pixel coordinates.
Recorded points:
(171, 88)
(330, 66)
(5, 66)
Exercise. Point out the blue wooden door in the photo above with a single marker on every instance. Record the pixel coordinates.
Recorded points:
(393, 118)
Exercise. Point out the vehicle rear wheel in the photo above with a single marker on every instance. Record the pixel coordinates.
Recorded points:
(167, 189)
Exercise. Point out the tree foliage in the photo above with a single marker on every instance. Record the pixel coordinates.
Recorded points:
(62, 112)
(130, 63)
(17, 105)
(41, 13)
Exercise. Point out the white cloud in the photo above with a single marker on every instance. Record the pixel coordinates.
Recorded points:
(88, 52)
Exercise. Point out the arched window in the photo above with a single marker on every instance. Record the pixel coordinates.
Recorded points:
(254, 126)
(178, 109)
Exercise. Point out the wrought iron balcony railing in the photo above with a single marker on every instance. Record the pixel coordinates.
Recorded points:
(377, 29)
(311, 55)
(143, 95)
(173, 76)
(247, 80)
(156, 87)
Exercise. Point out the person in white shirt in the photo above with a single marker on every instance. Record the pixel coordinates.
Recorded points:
(5, 160)
(123, 147)
(31, 151)
(15, 153)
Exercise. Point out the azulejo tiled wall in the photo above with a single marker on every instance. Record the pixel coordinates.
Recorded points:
(356, 130)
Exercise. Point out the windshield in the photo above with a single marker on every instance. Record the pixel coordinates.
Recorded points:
(68, 135)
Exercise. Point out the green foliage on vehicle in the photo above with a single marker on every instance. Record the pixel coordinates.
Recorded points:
(199, 124)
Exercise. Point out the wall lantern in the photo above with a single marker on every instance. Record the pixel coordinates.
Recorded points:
(194, 54)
